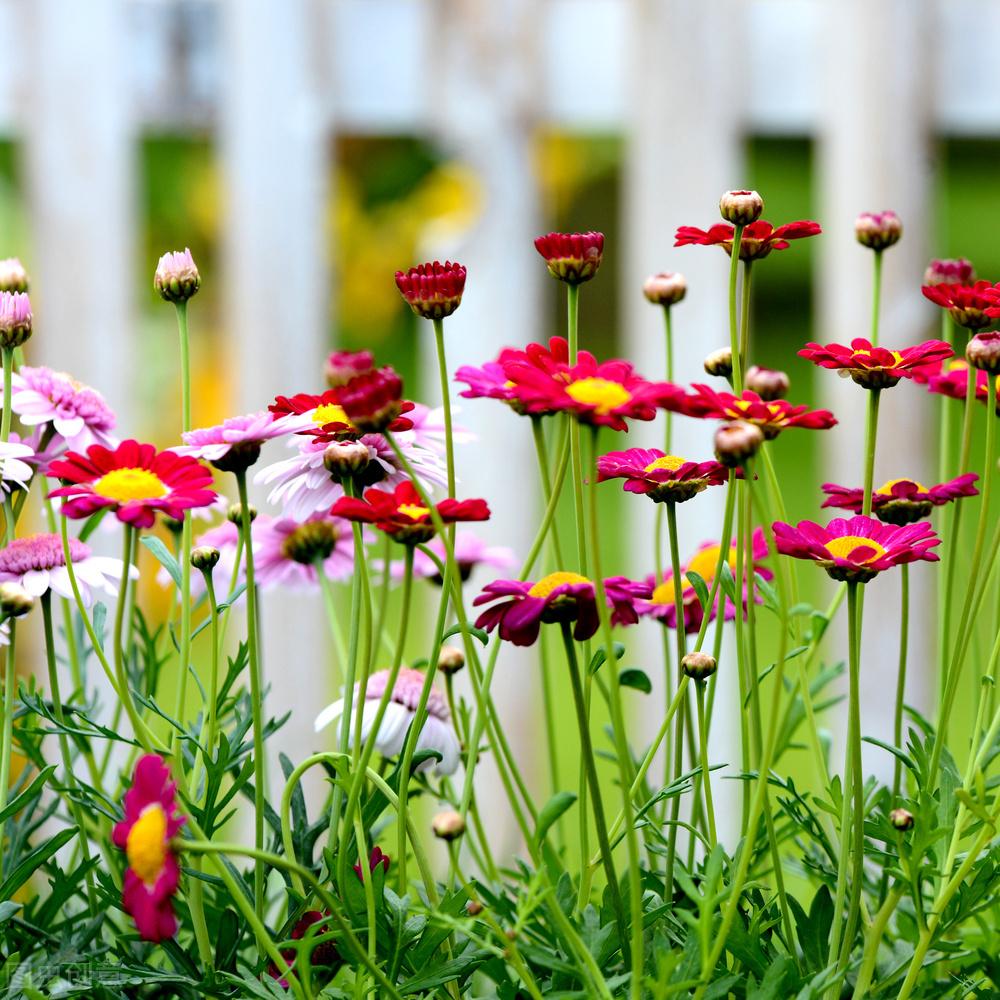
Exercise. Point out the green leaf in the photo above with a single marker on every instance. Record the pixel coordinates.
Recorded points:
(31, 792)
(164, 557)
(479, 633)
(100, 619)
(7, 909)
(700, 588)
(597, 660)
(34, 861)
(552, 810)
(636, 678)
(973, 806)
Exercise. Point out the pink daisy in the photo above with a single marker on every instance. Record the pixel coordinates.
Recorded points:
(234, 444)
(470, 553)
(273, 538)
(901, 501)
(661, 477)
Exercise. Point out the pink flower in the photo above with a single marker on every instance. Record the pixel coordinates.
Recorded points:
(470, 553)
(235, 443)
(14, 467)
(272, 540)
(901, 501)
(953, 381)
(660, 476)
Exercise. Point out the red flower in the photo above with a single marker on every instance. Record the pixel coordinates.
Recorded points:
(758, 240)
(969, 305)
(901, 501)
(659, 476)
(322, 955)
(133, 480)
(374, 400)
(403, 515)
(572, 257)
(327, 415)
(145, 834)
(490, 381)
(558, 597)
(855, 549)
(953, 381)
(375, 859)
(432, 290)
(876, 367)
(771, 417)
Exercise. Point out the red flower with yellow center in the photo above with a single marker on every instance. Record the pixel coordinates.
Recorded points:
(758, 239)
(661, 477)
(970, 305)
(901, 501)
(403, 515)
(146, 834)
(856, 549)
(134, 480)
(876, 367)
(772, 417)
(326, 416)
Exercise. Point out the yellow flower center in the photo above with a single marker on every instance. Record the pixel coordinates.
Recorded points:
(547, 584)
(146, 846)
(669, 462)
(957, 366)
(600, 393)
(703, 563)
(125, 485)
(741, 406)
(330, 413)
(841, 548)
(413, 510)
(896, 356)
(664, 593)
(886, 490)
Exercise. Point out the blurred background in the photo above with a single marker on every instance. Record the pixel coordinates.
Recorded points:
(306, 149)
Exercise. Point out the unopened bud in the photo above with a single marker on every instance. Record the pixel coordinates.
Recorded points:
(342, 366)
(768, 383)
(205, 557)
(901, 819)
(450, 660)
(13, 277)
(448, 825)
(736, 442)
(15, 601)
(698, 666)
(235, 513)
(239, 458)
(15, 319)
(983, 352)
(345, 458)
(177, 277)
(473, 907)
(958, 271)
(665, 288)
(878, 230)
(720, 362)
(310, 542)
(741, 207)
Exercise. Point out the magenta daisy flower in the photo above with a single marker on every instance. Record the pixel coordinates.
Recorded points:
(856, 549)
(876, 367)
(661, 477)
(235, 444)
(969, 305)
(953, 381)
(772, 416)
(275, 539)
(901, 501)
(559, 597)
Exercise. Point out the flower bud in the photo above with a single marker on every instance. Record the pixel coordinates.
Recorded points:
(473, 907)
(901, 819)
(878, 230)
(768, 383)
(342, 366)
(448, 825)
(665, 288)
(741, 207)
(572, 257)
(345, 458)
(433, 290)
(177, 277)
(950, 272)
(736, 442)
(698, 666)
(373, 401)
(205, 558)
(983, 352)
(310, 542)
(173, 525)
(720, 362)
(15, 319)
(235, 513)
(450, 660)
(13, 277)
(15, 601)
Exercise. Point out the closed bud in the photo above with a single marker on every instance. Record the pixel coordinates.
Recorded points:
(239, 458)
(345, 458)
(665, 288)
(235, 513)
(15, 319)
(768, 383)
(15, 601)
(720, 362)
(741, 207)
(177, 277)
(901, 819)
(310, 542)
(450, 660)
(205, 558)
(957, 271)
(983, 352)
(698, 666)
(473, 907)
(13, 277)
(878, 230)
(342, 366)
(736, 442)
(448, 825)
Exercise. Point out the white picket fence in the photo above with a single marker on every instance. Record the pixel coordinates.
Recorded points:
(683, 81)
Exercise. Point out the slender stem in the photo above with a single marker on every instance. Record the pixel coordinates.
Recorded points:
(573, 320)
(870, 433)
(541, 451)
(668, 344)
(182, 330)
(734, 333)
(213, 678)
(256, 695)
(873, 940)
(946, 463)
(184, 656)
(7, 736)
(681, 642)
(8, 378)
(877, 295)
(449, 442)
(706, 779)
(904, 620)
(745, 317)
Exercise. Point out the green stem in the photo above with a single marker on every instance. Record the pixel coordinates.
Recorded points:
(573, 320)
(213, 679)
(877, 295)
(7, 736)
(8, 392)
(184, 656)
(873, 940)
(871, 431)
(182, 330)
(946, 462)
(734, 333)
(668, 343)
(904, 620)
(745, 317)
(541, 451)
(706, 779)
(449, 443)
(681, 642)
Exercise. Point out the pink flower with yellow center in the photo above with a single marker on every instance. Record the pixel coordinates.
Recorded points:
(661, 477)
(876, 367)
(856, 549)
(661, 604)
(146, 834)
(953, 381)
(135, 481)
(901, 501)
(559, 597)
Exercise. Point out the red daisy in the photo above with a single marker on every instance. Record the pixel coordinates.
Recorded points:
(559, 597)
(901, 501)
(758, 240)
(403, 515)
(146, 835)
(134, 480)
(660, 476)
(376, 858)
(771, 417)
(432, 290)
(327, 416)
(969, 305)
(321, 956)
(953, 381)
(876, 367)
(855, 549)
(572, 257)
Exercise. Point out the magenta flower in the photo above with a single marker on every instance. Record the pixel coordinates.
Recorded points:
(15, 318)
(471, 552)
(855, 549)
(559, 597)
(953, 381)
(948, 271)
(273, 539)
(969, 305)
(876, 367)
(901, 501)
(235, 443)
(660, 476)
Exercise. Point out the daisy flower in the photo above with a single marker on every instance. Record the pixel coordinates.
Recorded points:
(523, 607)
(661, 477)
(276, 542)
(876, 367)
(146, 834)
(436, 733)
(134, 480)
(433, 290)
(901, 501)
(856, 549)
(771, 417)
(758, 239)
(953, 381)
(471, 552)
(14, 468)
(572, 257)
(234, 445)
(969, 305)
